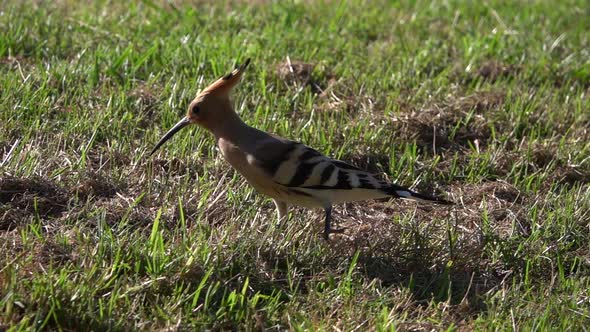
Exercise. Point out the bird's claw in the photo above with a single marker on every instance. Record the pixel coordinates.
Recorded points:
(340, 230)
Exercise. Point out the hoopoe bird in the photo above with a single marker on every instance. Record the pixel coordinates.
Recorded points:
(289, 172)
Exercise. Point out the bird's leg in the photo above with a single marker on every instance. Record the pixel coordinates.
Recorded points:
(281, 210)
(328, 228)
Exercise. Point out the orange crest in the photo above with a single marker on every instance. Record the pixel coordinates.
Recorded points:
(227, 82)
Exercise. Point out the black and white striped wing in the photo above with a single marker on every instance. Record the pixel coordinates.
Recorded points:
(301, 167)
(304, 171)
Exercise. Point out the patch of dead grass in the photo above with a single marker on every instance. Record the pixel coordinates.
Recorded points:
(454, 123)
(145, 98)
(371, 162)
(16, 62)
(24, 197)
(357, 106)
(103, 159)
(295, 72)
(570, 175)
(421, 249)
(300, 74)
(95, 185)
(480, 101)
(544, 158)
(493, 70)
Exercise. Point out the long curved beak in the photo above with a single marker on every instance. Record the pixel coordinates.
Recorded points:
(181, 124)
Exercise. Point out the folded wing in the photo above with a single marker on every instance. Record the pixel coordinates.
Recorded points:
(295, 165)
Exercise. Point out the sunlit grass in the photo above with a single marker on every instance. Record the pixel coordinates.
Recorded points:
(487, 104)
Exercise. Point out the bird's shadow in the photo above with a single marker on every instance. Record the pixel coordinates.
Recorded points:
(427, 283)
(415, 256)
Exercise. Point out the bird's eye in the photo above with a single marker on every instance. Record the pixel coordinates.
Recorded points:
(195, 110)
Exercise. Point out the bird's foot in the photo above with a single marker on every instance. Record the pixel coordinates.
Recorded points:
(340, 230)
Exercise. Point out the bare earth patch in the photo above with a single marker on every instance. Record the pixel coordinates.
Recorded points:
(145, 99)
(21, 198)
(299, 74)
(15, 62)
(95, 185)
(454, 123)
(493, 70)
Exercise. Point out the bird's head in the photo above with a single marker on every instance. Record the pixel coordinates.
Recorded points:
(211, 108)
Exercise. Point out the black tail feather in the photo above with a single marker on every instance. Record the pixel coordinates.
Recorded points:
(401, 192)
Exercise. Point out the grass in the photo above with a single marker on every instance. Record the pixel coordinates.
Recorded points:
(486, 103)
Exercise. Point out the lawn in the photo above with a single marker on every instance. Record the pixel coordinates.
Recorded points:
(486, 104)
